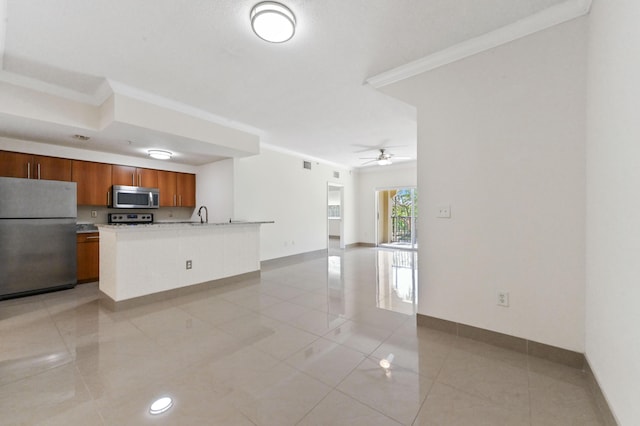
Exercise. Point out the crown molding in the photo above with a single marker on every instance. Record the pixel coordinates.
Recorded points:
(542, 20)
(302, 156)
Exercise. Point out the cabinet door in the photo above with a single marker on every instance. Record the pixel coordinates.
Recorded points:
(51, 168)
(167, 186)
(88, 257)
(186, 189)
(147, 178)
(94, 182)
(14, 164)
(123, 175)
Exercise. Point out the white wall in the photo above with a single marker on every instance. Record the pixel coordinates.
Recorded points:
(374, 178)
(214, 189)
(613, 205)
(274, 186)
(501, 139)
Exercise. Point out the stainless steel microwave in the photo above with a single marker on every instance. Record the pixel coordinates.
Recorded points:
(134, 197)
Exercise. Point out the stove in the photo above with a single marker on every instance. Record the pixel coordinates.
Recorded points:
(130, 218)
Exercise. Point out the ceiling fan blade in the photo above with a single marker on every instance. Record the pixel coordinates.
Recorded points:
(401, 158)
(368, 148)
(369, 162)
(368, 158)
(375, 147)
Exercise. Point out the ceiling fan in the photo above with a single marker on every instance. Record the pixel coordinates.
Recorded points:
(383, 159)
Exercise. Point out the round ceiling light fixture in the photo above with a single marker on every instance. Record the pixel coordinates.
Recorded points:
(161, 405)
(273, 22)
(159, 154)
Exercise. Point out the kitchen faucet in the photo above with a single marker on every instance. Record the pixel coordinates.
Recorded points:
(206, 214)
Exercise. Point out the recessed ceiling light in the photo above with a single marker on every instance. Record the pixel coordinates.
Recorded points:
(81, 137)
(159, 154)
(273, 22)
(161, 405)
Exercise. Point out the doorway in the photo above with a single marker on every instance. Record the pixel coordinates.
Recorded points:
(396, 213)
(335, 216)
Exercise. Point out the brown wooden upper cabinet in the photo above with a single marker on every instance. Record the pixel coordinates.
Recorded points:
(94, 182)
(177, 189)
(134, 176)
(28, 166)
(186, 184)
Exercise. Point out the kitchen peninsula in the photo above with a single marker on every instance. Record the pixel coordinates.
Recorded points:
(142, 260)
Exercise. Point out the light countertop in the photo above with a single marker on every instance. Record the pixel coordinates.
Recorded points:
(176, 225)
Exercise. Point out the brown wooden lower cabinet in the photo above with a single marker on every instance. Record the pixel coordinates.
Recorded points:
(88, 249)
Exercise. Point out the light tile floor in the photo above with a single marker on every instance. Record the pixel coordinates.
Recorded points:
(299, 345)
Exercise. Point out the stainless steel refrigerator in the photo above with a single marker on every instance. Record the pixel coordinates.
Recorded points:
(37, 236)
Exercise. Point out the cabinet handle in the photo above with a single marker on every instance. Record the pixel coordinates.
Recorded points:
(174, 200)
(133, 179)
(28, 170)
(38, 171)
(108, 198)
(92, 238)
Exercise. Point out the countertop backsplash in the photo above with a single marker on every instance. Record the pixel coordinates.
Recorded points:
(161, 214)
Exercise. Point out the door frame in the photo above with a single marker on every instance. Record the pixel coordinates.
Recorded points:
(377, 191)
(340, 186)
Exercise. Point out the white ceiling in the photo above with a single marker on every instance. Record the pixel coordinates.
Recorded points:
(307, 95)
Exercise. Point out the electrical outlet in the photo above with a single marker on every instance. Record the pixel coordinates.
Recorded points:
(94, 213)
(503, 299)
(444, 211)
(189, 264)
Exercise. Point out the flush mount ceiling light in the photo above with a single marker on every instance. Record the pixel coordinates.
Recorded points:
(159, 154)
(273, 22)
(161, 405)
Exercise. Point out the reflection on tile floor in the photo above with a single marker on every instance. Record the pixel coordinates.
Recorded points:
(299, 345)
